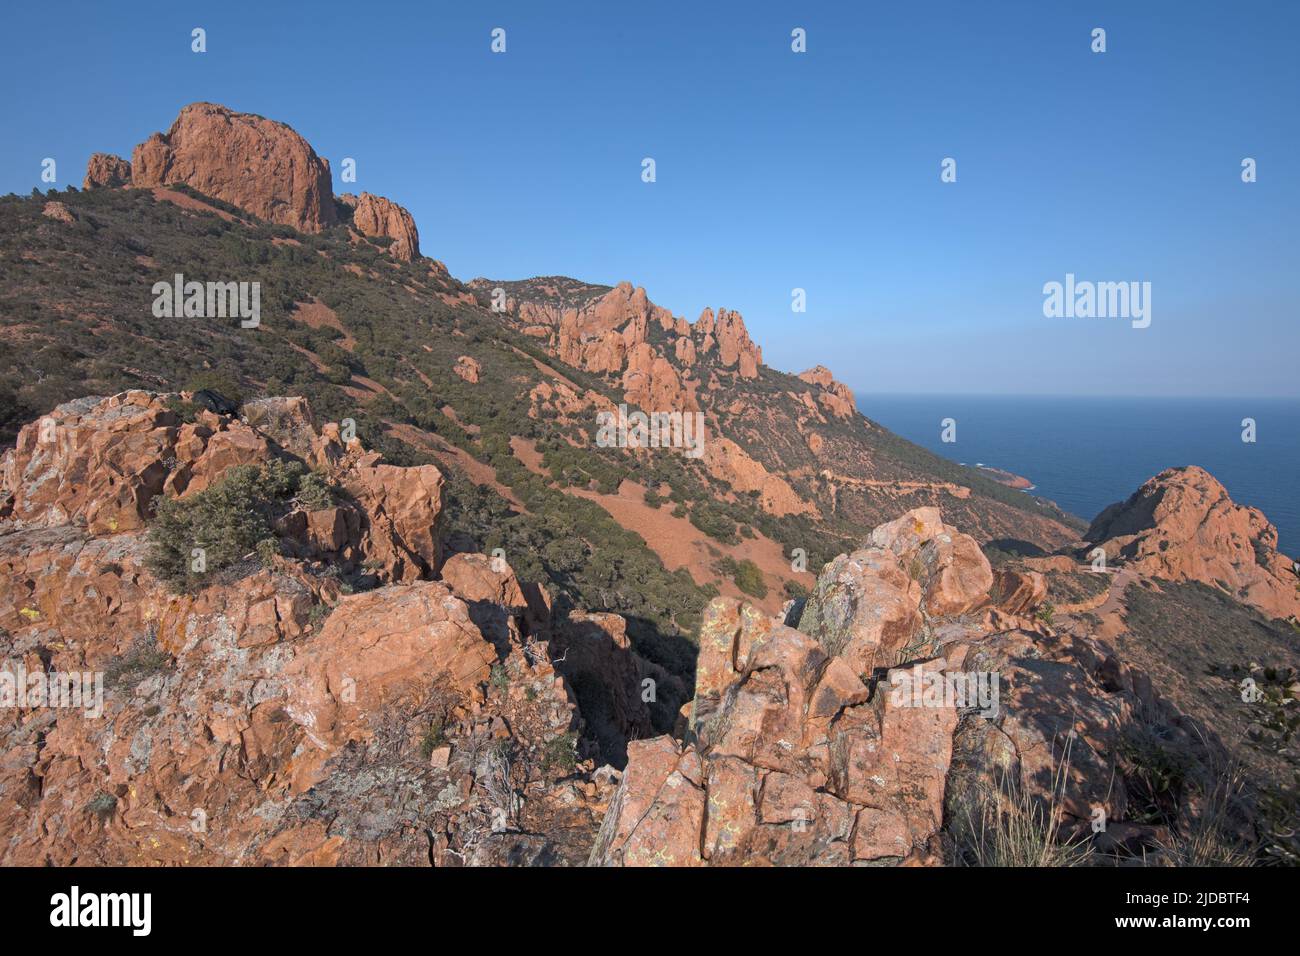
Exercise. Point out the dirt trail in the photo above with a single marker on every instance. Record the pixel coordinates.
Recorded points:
(318, 315)
(1108, 606)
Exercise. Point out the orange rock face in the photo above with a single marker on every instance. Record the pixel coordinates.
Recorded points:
(256, 163)
(727, 461)
(268, 716)
(58, 211)
(734, 345)
(1182, 525)
(835, 396)
(374, 648)
(104, 170)
(468, 368)
(95, 462)
(377, 216)
(831, 737)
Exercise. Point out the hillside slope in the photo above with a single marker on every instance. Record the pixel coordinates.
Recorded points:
(353, 318)
(422, 611)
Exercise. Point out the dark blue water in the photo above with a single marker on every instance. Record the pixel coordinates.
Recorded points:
(1085, 453)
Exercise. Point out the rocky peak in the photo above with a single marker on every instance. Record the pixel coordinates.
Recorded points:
(104, 170)
(241, 158)
(734, 345)
(1182, 525)
(835, 396)
(376, 216)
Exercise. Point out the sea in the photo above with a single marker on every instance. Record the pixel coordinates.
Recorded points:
(1085, 453)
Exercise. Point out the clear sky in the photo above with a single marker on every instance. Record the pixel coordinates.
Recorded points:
(775, 170)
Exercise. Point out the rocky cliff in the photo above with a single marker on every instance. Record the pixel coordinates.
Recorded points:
(377, 216)
(1181, 525)
(257, 164)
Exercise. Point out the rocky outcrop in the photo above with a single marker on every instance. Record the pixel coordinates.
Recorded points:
(253, 162)
(377, 216)
(651, 382)
(58, 211)
(735, 349)
(1181, 525)
(835, 396)
(401, 529)
(270, 716)
(104, 170)
(101, 463)
(869, 606)
(598, 336)
(468, 368)
(727, 461)
(859, 732)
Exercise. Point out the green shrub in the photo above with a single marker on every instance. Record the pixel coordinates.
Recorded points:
(231, 521)
(268, 549)
(314, 492)
(560, 753)
(500, 679)
(750, 579)
(715, 524)
(745, 574)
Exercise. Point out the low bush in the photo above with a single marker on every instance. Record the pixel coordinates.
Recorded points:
(229, 522)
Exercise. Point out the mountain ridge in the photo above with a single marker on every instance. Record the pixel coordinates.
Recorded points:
(397, 478)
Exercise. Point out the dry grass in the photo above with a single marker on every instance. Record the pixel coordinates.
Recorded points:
(1008, 827)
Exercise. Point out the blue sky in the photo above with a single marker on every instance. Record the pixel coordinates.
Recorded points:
(775, 170)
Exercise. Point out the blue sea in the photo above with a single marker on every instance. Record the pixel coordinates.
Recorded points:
(1085, 453)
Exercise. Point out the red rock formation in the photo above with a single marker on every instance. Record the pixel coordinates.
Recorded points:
(468, 368)
(1018, 592)
(104, 170)
(377, 216)
(835, 396)
(652, 382)
(727, 461)
(806, 751)
(58, 211)
(734, 345)
(269, 717)
(1182, 525)
(255, 163)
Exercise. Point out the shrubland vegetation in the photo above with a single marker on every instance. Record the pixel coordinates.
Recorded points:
(230, 522)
